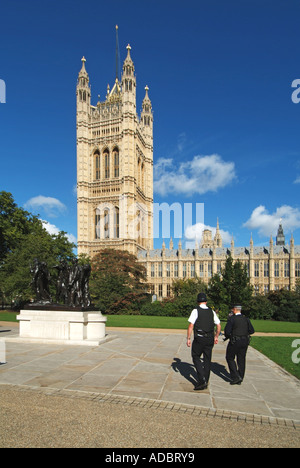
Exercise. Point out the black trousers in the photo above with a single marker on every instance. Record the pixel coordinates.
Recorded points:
(202, 346)
(236, 358)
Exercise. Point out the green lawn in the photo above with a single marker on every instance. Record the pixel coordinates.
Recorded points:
(280, 350)
(8, 316)
(144, 321)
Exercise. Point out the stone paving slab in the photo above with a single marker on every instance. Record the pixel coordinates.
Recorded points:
(154, 368)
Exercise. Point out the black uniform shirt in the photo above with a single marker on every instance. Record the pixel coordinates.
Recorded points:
(238, 325)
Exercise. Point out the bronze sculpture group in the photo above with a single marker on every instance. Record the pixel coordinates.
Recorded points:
(72, 287)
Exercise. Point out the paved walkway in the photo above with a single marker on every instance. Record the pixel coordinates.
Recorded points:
(152, 368)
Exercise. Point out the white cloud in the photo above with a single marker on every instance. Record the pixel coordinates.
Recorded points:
(200, 175)
(51, 206)
(195, 232)
(267, 224)
(297, 181)
(54, 231)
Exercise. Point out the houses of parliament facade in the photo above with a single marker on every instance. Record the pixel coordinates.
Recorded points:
(115, 197)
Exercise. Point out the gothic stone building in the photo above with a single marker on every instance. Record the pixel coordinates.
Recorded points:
(270, 268)
(115, 197)
(114, 166)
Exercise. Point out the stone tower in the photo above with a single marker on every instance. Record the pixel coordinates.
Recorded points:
(114, 166)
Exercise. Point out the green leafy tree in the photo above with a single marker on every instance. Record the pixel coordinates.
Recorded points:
(183, 301)
(260, 308)
(287, 304)
(24, 238)
(118, 282)
(231, 287)
(15, 224)
(185, 295)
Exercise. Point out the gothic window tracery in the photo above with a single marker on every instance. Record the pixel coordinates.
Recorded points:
(97, 162)
(106, 163)
(116, 158)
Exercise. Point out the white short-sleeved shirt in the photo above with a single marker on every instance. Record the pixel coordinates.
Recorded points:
(194, 315)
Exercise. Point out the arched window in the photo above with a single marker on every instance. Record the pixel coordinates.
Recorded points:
(98, 224)
(106, 223)
(117, 223)
(106, 163)
(97, 165)
(116, 159)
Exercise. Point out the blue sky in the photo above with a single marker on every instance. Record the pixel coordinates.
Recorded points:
(220, 74)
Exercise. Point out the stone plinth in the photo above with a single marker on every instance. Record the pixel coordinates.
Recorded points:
(65, 327)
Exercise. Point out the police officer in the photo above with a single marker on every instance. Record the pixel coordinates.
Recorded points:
(238, 331)
(203, 321)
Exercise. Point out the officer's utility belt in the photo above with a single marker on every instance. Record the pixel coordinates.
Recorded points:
(203, 334)
(234, 339)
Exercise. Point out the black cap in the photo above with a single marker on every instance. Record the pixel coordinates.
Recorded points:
(201, 297)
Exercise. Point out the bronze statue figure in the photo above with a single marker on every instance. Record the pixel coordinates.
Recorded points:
(40, 281)
(72, 286)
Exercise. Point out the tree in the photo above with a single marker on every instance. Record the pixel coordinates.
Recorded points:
(15, 224)
(23, 238)
(231, 287)
(287, 304)
(185, 295)
(260, 308)
(182, 303)
(118, 282)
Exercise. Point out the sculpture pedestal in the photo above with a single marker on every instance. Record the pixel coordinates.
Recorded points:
(62, 327)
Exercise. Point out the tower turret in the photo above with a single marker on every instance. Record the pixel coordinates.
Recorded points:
(218, 238)
(280, 239)
(147, 115)
(83, 89)
(129, 81)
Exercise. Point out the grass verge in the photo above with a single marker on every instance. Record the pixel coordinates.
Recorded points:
(281, 351)
(178, 323)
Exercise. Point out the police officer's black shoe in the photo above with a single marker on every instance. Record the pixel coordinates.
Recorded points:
(236, 381)
(202, 386)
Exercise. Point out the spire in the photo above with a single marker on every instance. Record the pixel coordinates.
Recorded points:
(128, 62)
(251, 244)
(218, 238)
(280, 239)
(128, 52)
(83, 87)
(147, 99)
(117, 53)
(146, 115)
(83, 71)
(129, 81)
